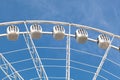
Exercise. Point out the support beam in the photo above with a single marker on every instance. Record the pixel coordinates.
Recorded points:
(8, 69)
(68, 55)
(102, 61)
(34, 55)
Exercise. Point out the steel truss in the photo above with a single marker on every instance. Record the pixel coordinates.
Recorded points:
(68, 55)
(9, 70)
(35, 56)
(61, 23)
(12, 74)
(102, 61)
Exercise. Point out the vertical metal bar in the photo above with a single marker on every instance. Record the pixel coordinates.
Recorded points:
(12, 74)
(34, 55)
(68, 55)
(102, 61)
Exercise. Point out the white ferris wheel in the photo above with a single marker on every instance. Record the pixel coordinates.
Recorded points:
(53, 50)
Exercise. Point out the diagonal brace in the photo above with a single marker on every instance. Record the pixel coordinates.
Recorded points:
(102, 61)
(34, 55)
(8, 69)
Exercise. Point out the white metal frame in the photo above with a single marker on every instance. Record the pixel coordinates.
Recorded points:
(62, 23)
(34, 55)
(68, 55)
(102, 61)
(9, 70)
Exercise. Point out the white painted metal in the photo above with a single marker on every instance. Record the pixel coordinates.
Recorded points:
(61, 23)
(54, 78)
(68, 55)
(102, 61)
(9, 70)
(71, 35)
(35, 56)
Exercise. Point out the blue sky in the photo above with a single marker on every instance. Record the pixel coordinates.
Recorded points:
(102, 14)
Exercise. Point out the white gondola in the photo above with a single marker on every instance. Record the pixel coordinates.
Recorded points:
(103, 41)
(81, 35)
(36, 31)
(13, 32)
(58, 32)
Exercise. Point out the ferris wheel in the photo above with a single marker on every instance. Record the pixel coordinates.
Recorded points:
(53, 50)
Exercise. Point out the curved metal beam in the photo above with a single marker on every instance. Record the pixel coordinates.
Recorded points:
(58, 22)
(71, 35)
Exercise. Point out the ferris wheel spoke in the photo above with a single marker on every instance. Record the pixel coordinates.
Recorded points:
(34, 54)
(113, 62)
(87, 71)
(37, 65)
(85, 64)
(68, 55)
(9, 69)
(60, 78)
(111, 74)
(86, 52)
(102, 61)
(40, 47)
(13, 51)
(20, 71)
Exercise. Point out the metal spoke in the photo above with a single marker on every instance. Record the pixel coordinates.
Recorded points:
(68, 55)
(102, 61)
(11, 74)
(35, 56)
(9, 70)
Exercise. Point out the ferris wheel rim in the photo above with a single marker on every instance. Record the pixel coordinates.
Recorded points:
(61, 23)
(3, 24)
